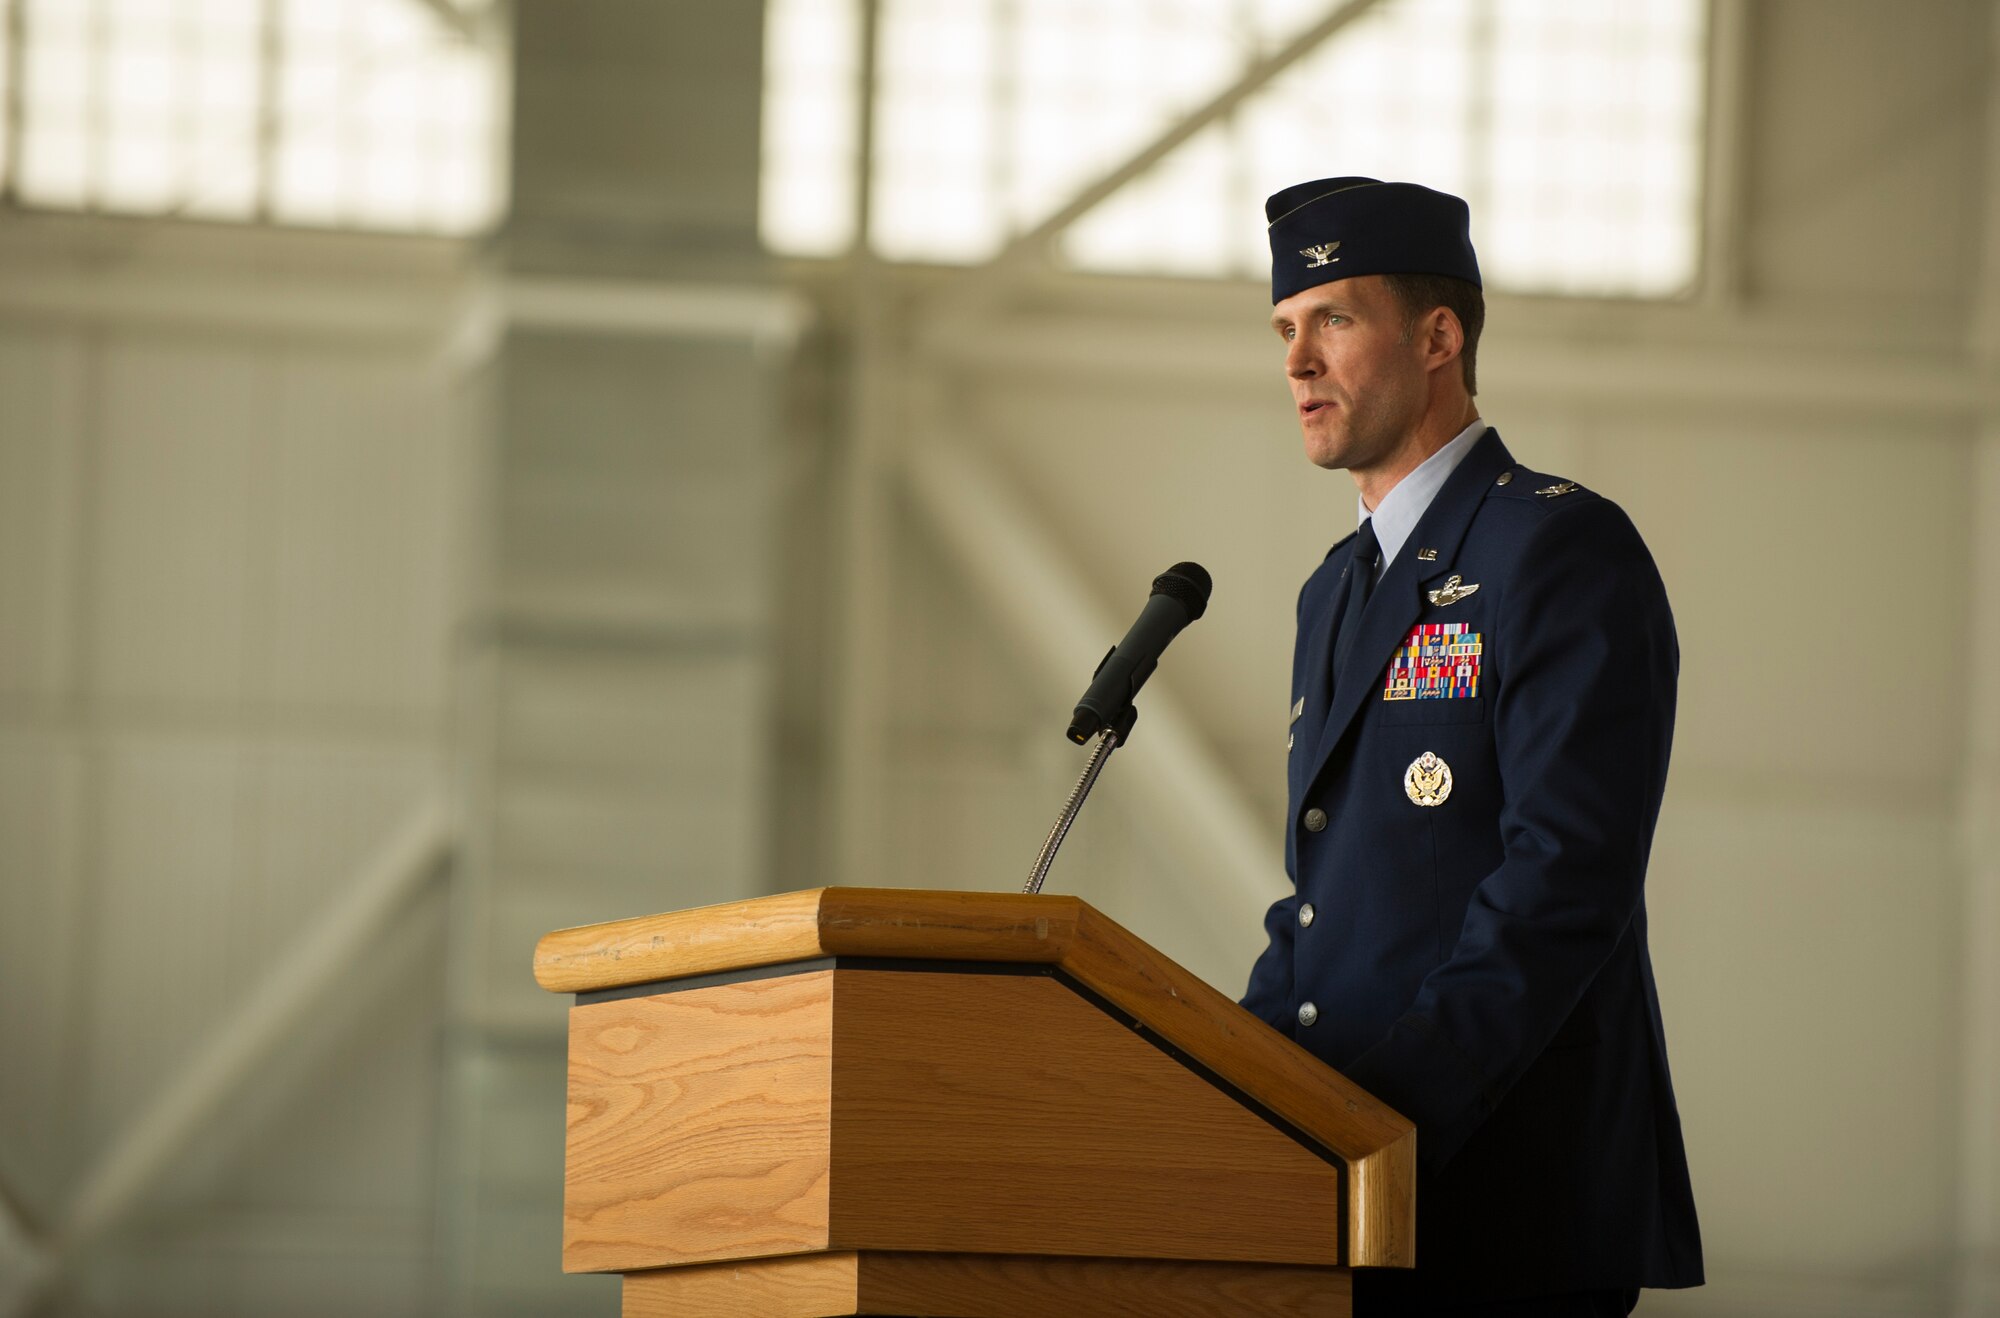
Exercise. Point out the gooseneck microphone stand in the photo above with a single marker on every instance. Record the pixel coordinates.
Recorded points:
(1107, 742)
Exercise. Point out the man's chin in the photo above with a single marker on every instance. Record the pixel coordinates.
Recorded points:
(1326, 454)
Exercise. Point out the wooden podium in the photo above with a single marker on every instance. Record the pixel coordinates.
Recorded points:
(952, 1104)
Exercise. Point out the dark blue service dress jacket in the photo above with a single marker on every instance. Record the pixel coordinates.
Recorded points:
(1471, 807)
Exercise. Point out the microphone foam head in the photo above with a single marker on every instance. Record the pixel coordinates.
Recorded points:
(1188, 583)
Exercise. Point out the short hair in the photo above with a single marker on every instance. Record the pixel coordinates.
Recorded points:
(1464, 299)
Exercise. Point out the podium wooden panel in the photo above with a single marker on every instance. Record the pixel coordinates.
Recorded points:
(955, 1104)
(984, 1286)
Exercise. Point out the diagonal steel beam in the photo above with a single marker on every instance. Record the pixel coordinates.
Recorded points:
(1026, 578)
(381, 890)
(24, 1259)
(464, 24)
(1034, 242)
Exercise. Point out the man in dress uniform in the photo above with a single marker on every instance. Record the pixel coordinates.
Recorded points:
(1482, 706)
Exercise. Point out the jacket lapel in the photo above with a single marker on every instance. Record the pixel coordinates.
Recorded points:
(1398, 600)
(1316, 678)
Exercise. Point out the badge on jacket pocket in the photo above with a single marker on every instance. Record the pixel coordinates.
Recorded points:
(1428, 780)
(1436, 661)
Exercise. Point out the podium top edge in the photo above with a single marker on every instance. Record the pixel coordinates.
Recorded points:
(799, 926)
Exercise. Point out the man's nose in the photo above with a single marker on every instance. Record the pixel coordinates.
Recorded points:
(1300, 361)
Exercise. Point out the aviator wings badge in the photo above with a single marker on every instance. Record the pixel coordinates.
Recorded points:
(1321, 254)
(1451, 592)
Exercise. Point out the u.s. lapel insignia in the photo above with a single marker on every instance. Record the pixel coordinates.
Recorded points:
(1321, 254)
(1298, 708)
(1427, 555)
(1428, 780)
(1451, 592)
(1560, 487)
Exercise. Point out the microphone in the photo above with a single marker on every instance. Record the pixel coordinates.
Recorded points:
(1180, 595)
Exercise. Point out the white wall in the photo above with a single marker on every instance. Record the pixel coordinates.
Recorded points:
(224, 545)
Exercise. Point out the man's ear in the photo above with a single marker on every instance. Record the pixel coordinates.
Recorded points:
(1444, 338)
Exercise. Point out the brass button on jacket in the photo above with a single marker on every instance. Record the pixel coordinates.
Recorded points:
(1308, 1013)
(1315, 820)
(1306, 915)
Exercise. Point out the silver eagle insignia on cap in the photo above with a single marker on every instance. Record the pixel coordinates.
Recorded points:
(1321, 254)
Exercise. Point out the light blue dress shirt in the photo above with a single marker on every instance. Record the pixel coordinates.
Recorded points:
(1404, 505)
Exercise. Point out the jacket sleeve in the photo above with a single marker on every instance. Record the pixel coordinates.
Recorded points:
(1270, 994)
(1583, 723)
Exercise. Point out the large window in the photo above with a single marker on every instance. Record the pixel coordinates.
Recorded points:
(1572, 126)
(379, 114)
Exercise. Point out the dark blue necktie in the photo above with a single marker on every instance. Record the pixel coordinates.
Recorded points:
(1360, 581)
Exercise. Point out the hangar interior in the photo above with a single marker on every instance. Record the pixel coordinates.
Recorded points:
(469, 469)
